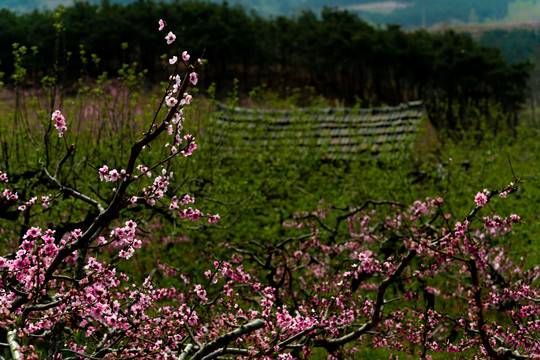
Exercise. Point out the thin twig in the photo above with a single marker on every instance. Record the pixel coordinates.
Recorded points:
(70, 150)
(73, 192)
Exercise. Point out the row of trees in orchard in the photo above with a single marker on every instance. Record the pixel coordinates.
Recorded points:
(335, 52)
(83, 200)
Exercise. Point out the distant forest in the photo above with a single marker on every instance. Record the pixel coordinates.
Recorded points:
(435, 11)
(333, 52)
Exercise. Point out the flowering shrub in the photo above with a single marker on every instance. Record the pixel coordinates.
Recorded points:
(383, 275)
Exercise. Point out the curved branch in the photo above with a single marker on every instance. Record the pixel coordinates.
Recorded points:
(186, 351)
(223, 340)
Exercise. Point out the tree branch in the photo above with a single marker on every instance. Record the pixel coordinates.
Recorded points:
(478, 302)
(70, 150)
(377, 308)
(186, 351)
(73, 192)
(13, 345)
(223, 340)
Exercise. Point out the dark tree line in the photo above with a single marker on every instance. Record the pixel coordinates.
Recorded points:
(335, 52)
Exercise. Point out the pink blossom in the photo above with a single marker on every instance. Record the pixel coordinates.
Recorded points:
(173, 60)
(171, 101)
(104, 173)
(480, 199)
(45, 201)
(59, 122)
(33, 232)
(114, 175)
(201, 292)
(170, 38)
(186, 100)
(161, 24)
(191, 148)
(193, 78)
(185, 56)
(3, 177)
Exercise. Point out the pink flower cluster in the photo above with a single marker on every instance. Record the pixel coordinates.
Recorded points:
(498, 226)
(191, 147)
(59, 122)
(481, 198)
(157, 190)
(52, 281)
(3, 177)
(172, 101)
(112, 175)
(176, 202)
(13, 196)
(124, 238)
(8, 194)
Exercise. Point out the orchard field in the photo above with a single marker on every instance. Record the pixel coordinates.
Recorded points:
(127, 233)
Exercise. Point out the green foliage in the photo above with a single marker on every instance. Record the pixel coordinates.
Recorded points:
(260, 189)
(19, 73)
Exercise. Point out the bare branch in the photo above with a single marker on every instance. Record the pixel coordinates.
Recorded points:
(297, 336)
(13, 345)
(186, 351)
(223, 340)
(70, 150)
(190, 333)
(73, 192)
